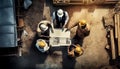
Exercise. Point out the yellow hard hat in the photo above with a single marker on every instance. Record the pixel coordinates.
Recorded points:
(82, 22)
(78, 49)
(41, 44)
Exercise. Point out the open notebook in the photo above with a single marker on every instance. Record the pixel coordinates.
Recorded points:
(60, 38)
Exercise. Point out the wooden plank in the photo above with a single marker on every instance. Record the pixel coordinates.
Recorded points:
(119, 36)
(116, 25)
(111, 1)
(112, 44)
(20, 22)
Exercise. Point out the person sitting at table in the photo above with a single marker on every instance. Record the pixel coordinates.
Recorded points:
(43, 28)
(83, 28)
(42, 45)
(60, 18)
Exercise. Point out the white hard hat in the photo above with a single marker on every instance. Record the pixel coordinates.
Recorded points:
(60, 13)
(43, 27)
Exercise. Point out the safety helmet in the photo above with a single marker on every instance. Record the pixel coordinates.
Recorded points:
(60, 13)
(82, 23)
(43, 27)
(41, 43)
(78, 49)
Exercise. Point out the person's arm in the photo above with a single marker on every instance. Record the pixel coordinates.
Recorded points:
(67, 18)
(53, 17)
(71, 53)
(88, 27)
(50, 25)
(75, 24)
(68, 49)
(38, 29)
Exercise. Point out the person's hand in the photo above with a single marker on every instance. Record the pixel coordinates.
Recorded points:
(62, 29)
(64, 26)
(66, 30)
(52, 30)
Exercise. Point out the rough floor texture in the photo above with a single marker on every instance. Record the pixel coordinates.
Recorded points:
(32, 17)
(94, 57)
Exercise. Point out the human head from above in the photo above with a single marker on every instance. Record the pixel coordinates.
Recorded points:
(41, 43)
(82, 23)
(60, 12)
(78, 49)
(43, 27)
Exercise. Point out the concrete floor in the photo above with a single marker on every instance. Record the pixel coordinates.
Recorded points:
(94, 57)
